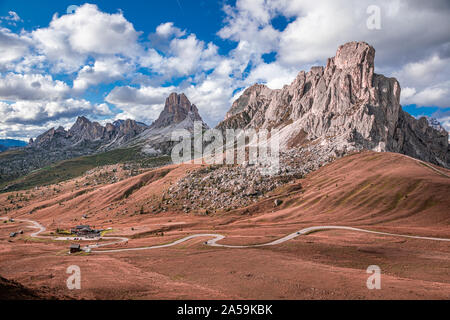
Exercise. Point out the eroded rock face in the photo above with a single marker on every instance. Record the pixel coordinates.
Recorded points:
(53, 138)
(86, 137)
(344, 104)
(85, 131)
(178, 114)
(176, 109)
(83, 138)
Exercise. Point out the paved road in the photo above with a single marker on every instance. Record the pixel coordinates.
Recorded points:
(218, 237)
(213, 241)
(41, 228)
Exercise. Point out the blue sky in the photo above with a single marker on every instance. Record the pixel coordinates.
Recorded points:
(120, 59)
(201, 17)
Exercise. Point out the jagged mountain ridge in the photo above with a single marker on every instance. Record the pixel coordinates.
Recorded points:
(84, 132)
(178, 114)
(86, 138)
(83, 138)
(176, 109)
(345, 106)
(6, 144)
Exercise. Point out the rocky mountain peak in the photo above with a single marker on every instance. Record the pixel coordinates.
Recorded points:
(88, 135)
(52, 138)
(355, 54)
(180, 100)
(345, 106)
(85, 129)
(82, 120)
(131, 126)
(249, 95)
(81, 124)
(435, 124)
(177, 108)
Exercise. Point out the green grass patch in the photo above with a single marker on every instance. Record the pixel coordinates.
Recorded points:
(64, 232)
(42, 240)
(10, 153)
(81, 253)
(104, 232)
(72, 168)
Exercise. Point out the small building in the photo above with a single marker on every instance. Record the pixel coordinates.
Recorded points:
(74, 248)
(85, 231)
(83, 227)
(12, 234)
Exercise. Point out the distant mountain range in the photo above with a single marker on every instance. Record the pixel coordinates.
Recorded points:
(6, 144)
(178, 113)
(343, 107)
(93, 137)
(86, 138)
(88, 135)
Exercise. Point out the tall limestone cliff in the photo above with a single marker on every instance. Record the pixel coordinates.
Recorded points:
(178, 114)
(346, 106)
(176, 110)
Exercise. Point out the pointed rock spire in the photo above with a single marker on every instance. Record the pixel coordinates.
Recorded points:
(176, 109)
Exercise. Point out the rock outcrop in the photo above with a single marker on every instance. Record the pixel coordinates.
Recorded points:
(86, 132)
(178, 114)
(344, 104)
(86, 137)
(83, 138)
(52, 139)
(176, 110)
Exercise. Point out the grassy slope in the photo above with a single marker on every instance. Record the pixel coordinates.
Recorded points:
(5, 157)
(72, 168)
(10, 153)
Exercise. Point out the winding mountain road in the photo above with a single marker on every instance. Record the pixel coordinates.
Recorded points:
(212, 242)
